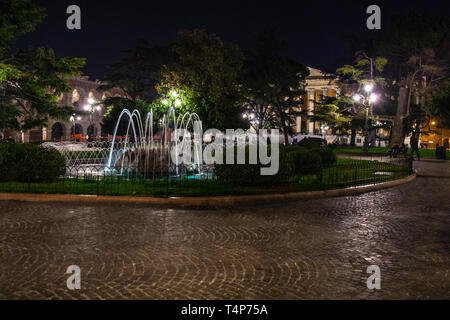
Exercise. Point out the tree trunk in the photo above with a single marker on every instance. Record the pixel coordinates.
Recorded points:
(353, 138)
(399, 123)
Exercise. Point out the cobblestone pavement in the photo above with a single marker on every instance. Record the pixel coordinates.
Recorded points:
(316, 249)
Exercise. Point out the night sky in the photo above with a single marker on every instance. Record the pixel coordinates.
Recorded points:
(315, 30)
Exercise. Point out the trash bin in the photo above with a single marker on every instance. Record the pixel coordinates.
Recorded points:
(440, 153)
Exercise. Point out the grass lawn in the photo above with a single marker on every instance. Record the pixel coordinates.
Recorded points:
(383, 151)
(345, 173)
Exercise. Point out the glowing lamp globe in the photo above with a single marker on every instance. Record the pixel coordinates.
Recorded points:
(368, 87)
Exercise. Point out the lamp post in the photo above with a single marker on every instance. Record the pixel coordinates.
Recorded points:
(175, 102)
(72, 120)
(366, 99)
(91, 109)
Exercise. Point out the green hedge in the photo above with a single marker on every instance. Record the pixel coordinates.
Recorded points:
(312, 143)
(294, 161)
(248, 174)
(30, 163)
(327, 156)
(303, 161)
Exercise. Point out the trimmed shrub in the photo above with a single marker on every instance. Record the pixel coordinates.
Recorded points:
(30, 163)
(246, 174)
(293, 161)
(312, 143)
(304, 161)
(318, 145)
(327, 156)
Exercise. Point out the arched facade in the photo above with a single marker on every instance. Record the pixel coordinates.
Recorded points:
(92, 131)
(83, 91)
(318, 85)
(76, 129)
(58, 132)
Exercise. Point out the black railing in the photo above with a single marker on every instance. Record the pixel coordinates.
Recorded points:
(94, 180)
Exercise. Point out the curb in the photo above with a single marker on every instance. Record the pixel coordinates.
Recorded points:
(217, 201)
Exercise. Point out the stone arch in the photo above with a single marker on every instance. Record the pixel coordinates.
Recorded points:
(76, 129)
(58, 130)
(75, 96)
(92, 131)
(84, 93)
(90, 96)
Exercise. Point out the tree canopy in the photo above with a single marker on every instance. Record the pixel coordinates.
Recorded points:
(417, 48)
(31, 80)
(206, 69)
(272, 82)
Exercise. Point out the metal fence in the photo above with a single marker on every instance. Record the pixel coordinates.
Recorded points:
(87, 174)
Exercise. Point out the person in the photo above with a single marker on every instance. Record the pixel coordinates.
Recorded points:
(415, 146)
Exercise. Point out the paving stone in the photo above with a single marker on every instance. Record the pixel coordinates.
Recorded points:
(296, 250)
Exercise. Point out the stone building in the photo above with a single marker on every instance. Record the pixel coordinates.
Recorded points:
(88, 124)
(318, 85)
(85, 122)
(436, 136)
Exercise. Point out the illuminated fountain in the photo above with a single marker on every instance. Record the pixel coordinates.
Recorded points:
(145, 152)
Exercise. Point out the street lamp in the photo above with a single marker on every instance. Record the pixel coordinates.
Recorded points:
(91, 109)
(368, 87)
(366, 100)
(72, 120)
(174, 102)
(357, 98)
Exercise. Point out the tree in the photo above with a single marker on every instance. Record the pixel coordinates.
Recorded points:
(335, 112)
(365, 70)
(114, 110)
(417, 48)
(284, 93)
(437, 106)
(31, 80)
(206, 69)
(138, 72)
(17, 17)
(271, 83)
(138, 75)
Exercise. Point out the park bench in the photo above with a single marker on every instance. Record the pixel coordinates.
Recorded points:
(398, 150)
